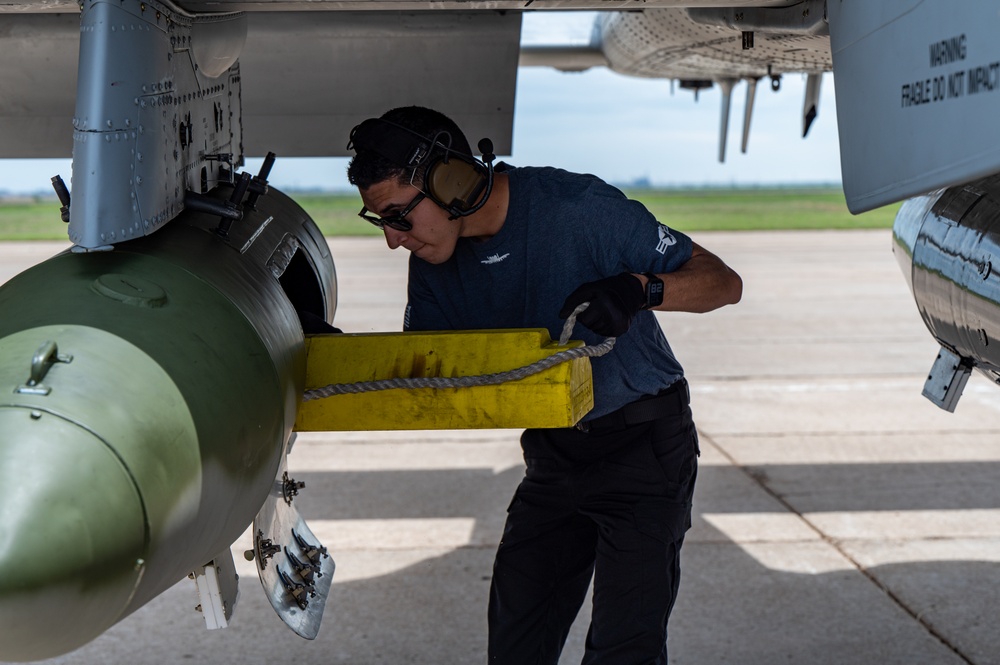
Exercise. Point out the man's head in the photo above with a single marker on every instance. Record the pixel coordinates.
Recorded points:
(419, 181)
(424, 149)
(390, 168)
(403, 128)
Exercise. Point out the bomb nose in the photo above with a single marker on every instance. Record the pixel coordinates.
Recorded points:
(72, 535)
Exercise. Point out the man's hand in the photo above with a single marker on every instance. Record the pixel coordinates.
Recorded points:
(614, 302)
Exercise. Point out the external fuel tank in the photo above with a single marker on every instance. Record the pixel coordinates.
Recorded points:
(948, 246)
(148, 393)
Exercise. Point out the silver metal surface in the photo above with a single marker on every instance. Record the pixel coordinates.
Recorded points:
(803, 17)
(309, 78)
(918, 85)
(295, 569)
(52, 6)
(726, 85)
(566, 59)
(667, 43)
(947, 380)
(147, 114)
(305, 79)
(947, 244)
(748, 112)
(38, 80)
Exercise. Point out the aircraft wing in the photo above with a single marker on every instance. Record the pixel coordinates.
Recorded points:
(308, 77)
(703, 46)
(314, 70)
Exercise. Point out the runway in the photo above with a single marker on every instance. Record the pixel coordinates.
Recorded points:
(841, 517)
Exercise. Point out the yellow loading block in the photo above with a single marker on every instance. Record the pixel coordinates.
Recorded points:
(555, 397)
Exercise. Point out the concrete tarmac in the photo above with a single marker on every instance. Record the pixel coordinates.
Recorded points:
(841, 517)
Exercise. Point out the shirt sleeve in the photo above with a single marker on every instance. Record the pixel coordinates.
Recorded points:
(628, 238)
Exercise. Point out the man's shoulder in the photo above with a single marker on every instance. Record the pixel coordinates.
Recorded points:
(554, 181)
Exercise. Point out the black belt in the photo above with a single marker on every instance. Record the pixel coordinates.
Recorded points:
(669, 400)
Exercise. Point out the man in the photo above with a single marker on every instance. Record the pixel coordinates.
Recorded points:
(521, 248)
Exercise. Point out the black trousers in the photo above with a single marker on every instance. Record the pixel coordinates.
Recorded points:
(613, 503)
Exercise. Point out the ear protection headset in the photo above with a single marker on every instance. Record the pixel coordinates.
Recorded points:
(452, 179)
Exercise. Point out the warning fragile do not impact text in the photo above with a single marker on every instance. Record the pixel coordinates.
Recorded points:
(955, 84)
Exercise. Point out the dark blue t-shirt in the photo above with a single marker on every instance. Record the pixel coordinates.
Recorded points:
(562, 230)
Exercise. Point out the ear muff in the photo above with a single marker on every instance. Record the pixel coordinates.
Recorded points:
(453, 180)
(455, 184)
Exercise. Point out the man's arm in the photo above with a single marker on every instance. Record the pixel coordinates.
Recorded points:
(700, 285)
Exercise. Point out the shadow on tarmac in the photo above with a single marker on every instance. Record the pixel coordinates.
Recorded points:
(732, 608)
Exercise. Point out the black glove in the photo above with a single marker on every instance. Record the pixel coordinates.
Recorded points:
(614, 302)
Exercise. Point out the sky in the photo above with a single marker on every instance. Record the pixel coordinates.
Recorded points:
(622, 129)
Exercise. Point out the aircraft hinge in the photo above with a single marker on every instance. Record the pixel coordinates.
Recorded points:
(312, 552)
(264, 549)
(45, 357)
(290, 488)
(305, 569)
(947, 379)
(299, 591)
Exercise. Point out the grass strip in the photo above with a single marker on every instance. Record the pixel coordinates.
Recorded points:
(708, 209)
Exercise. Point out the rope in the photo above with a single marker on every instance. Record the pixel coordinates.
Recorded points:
(592, 351)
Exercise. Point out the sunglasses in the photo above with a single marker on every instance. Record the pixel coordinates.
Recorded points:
(395, 221)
